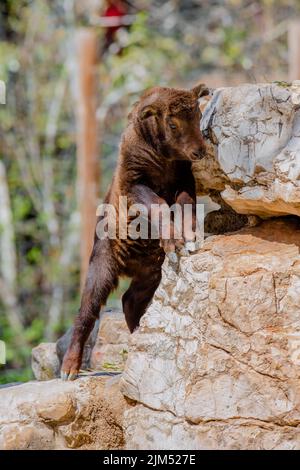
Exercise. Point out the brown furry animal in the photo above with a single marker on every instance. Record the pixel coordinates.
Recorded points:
(158, 146)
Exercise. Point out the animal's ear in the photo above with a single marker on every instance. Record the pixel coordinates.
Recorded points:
(148, 111)
(132, 113)
(200, 90)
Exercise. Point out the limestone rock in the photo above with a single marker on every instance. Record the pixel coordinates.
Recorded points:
(44, 361)
(84, 414)
(111, 348)
(253, 133)
(216, 361)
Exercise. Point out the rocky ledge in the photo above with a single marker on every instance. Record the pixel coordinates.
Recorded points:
(253, 133)
(85, 414)
(215, 363)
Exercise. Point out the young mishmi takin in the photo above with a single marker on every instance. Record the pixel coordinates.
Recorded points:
(160, 143)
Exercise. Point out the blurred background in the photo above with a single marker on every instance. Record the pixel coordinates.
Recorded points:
(72, 70)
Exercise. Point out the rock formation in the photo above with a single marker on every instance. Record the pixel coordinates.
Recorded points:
(216, 361)
(85, 414)
(111, 348)
(45, 363)
(254, 136)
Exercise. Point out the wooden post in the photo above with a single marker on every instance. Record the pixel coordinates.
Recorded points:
(87, 148)
(294, 50)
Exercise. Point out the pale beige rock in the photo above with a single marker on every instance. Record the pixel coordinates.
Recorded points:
(253, 135)
(215, 363)
(44, 361)
(26, 437)
(58, 409)
(111, 346)
(87, 414)
(146, 431)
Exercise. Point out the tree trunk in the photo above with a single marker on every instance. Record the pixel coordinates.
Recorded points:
(8, 262)
(87, 151)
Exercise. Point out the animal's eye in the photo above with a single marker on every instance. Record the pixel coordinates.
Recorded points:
(173, 126)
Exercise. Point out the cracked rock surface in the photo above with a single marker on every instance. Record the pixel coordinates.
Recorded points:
(253, 132)
(216, 361)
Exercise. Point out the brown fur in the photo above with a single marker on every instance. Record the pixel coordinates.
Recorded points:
(158, 146)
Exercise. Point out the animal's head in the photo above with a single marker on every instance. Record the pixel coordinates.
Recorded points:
(168, 119)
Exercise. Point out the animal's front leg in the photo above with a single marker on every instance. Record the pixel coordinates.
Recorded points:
(172, 241)
(189, 220)
(159, 216)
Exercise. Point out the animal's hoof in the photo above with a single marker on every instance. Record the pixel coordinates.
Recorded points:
(173, 258)
(190, 246)
(184, 251)
(72, 375)
(64, 376)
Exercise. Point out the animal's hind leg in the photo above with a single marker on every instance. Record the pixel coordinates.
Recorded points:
(102, 278)
(137, 298)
